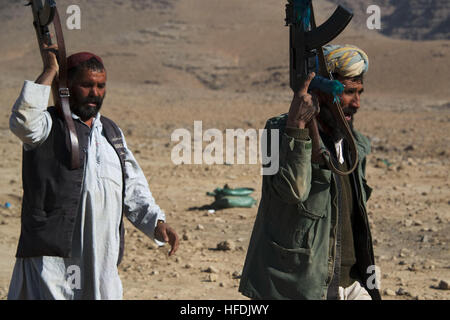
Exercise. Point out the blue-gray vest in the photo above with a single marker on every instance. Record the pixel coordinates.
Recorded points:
(52, 191)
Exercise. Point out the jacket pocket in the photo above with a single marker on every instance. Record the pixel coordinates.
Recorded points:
(284, 259)
(319, 195)
(45, 233)
(34, 219)
(315, 208)
(111, 171)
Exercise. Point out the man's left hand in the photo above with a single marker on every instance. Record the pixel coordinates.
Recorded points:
(164, 233)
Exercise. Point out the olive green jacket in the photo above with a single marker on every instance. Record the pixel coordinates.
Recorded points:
(292, 248)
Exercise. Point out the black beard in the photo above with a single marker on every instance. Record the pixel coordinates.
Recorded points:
(327, 117)
(86, 112)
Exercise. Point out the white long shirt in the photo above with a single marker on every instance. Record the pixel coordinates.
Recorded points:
(92, 271)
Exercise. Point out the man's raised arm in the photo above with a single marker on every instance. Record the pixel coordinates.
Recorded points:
(292, 182)
(29, 120)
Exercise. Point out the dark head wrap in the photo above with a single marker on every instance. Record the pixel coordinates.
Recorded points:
(78, 58)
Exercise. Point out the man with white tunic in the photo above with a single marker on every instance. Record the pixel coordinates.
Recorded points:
(72, 220)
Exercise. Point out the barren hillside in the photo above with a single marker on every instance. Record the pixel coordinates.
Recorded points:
(407, 19)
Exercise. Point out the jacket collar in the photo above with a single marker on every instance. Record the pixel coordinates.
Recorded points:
(362, 144)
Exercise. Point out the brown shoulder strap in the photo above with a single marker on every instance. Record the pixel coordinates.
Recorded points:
(63, 93)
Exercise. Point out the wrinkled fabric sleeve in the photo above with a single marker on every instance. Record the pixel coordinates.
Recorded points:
(139, 205)
(29, 119)
(292, 182)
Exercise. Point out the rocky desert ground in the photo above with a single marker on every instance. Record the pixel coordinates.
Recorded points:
(225, 63)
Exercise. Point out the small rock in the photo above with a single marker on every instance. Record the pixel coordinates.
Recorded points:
(236, 275)
(424, 238)
(443, 285)
(409, 148)
(380, 163)
(428, 265)
(152, 245)
(126, 268)
(412, 267)
(401, 292)
(407, 223)
(154, 273)
(212, 278)
(188, 266)
(226, 245)
(411, 162)
(186, 236)
(211, 269)
(389, 292)
(200, 227)
(198, 245)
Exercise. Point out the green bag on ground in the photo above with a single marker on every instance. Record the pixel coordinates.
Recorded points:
(230, 198)
(231, 192)
(233, 202)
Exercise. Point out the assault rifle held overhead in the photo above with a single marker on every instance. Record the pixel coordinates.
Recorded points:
(306, 56)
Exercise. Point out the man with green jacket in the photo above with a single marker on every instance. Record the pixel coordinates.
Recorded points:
(311, 238)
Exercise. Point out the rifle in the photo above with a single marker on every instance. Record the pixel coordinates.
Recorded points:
(45, 14)
(306, 56)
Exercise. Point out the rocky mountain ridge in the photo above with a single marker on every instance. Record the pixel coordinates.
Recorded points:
(406, 19)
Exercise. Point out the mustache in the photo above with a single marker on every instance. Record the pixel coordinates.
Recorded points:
(96, 100)
(348, 111)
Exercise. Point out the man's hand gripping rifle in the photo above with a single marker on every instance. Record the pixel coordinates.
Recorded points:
(43, 15)
(306, 56)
